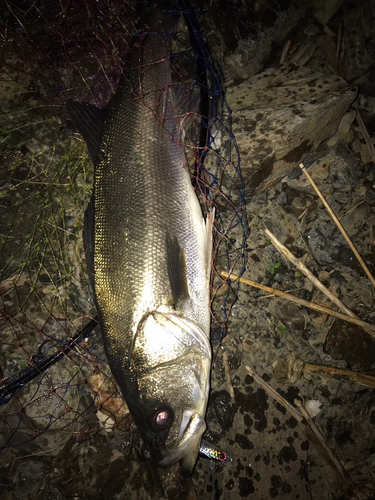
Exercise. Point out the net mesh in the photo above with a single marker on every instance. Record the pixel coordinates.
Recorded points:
(55, 377)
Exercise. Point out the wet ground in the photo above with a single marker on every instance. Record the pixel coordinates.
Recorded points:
(68, 447)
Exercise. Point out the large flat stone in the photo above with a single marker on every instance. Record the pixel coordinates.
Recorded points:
(281, 115)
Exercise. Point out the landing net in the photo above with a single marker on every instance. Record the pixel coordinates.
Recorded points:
(55, 379)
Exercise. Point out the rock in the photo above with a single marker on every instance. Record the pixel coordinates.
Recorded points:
(324, 9)
(352, 344)
(31, 478)
(288, 369)
(313, 407)
(319, 238)
(344, 127)
(288, 314)
(355, 217)
(243, 35)
(280, 116)
(358, 42)
(371, 225)
(311, 30)
(345, 425)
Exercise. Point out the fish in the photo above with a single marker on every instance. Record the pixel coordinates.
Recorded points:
(148, 248)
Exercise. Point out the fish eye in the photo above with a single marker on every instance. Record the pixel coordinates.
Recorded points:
(160, 419)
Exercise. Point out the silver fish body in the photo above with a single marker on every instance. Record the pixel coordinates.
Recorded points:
(150, 259)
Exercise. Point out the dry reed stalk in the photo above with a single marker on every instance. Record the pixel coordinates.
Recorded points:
(300, 414)
(297, 263)
(316, 307)
(285, 51)
(333, 461)
(338, 224)
(227, 374)
(275, 395)
(349, 375)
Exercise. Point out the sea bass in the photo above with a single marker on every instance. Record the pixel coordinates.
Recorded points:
(148, 250)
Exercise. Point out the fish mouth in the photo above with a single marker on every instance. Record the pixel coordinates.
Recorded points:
(187, 447)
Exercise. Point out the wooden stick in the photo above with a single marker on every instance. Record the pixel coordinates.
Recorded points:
(227, 374)
(288, 255)
(333, 460)
(337, 222)
(285, 51)
(275, 395)
(331, 371)
(297, 263)
(300, 414)
(368, 326)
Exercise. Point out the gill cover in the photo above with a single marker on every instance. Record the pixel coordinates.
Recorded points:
(162, 338)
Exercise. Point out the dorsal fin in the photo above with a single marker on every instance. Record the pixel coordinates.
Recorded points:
(90, 121)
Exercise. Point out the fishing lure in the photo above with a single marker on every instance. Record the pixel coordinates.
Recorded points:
(208, 450)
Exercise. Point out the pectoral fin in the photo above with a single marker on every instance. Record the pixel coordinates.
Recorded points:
(177, 270)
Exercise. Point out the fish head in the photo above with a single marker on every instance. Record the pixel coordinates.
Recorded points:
(170, 367)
